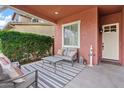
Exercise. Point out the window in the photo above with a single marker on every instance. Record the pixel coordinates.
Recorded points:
(110, 28)
(71, 35)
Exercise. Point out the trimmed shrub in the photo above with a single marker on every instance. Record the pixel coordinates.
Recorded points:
(24, 47)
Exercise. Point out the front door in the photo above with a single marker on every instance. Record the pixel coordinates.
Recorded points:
(110, 41)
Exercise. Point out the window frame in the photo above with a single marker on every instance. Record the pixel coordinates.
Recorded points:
(68, 24)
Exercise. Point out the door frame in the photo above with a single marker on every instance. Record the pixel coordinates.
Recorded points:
(118, 30)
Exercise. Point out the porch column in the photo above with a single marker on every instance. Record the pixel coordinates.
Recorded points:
(122, 39)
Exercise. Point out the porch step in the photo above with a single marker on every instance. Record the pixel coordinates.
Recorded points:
(110, 61)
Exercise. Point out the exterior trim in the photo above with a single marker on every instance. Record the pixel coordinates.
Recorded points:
(110, 25)
(78, 22)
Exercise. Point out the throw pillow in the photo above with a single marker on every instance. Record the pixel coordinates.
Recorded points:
(60, 52)
(5, 66)
(7, 61)
(72, 53)
(13, 73)
(65, 52)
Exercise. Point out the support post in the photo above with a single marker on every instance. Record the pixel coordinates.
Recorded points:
(91, 56)
(36, 79)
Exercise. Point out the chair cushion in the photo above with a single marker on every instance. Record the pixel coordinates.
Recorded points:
(64, 57)
(1, 70)
(9, 70)
(72, 52)
(2, 75)
(13, 73)
(4, 66)
(4, 62)
(7, 85)
(69, 54)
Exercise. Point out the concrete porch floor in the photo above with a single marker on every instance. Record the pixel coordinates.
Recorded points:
(99, 76)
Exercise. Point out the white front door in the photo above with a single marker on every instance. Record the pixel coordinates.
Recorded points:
(110, 40)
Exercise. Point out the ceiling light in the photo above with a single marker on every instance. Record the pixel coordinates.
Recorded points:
(56, 13)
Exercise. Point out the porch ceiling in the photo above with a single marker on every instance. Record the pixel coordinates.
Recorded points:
(48, 11)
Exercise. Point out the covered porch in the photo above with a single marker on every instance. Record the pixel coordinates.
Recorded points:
(82, 27)
(93, 22)
(92, 19)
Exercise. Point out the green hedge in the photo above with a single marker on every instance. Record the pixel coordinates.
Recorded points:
(24, 47)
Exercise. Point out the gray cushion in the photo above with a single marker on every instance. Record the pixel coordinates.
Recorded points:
(71, 52)
(4, 77)
(1, 70)
(64, 57)
(7, 85)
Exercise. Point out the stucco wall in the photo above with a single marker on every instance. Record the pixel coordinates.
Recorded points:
(110, 19)
(88, 33)
(42, 30)
(24, 19)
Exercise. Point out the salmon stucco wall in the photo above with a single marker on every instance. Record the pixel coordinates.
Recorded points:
(110, 19)
(88, 32)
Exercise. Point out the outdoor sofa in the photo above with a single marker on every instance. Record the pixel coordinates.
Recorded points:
(68, 54)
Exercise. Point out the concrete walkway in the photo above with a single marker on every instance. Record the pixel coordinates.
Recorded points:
(100, 76)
